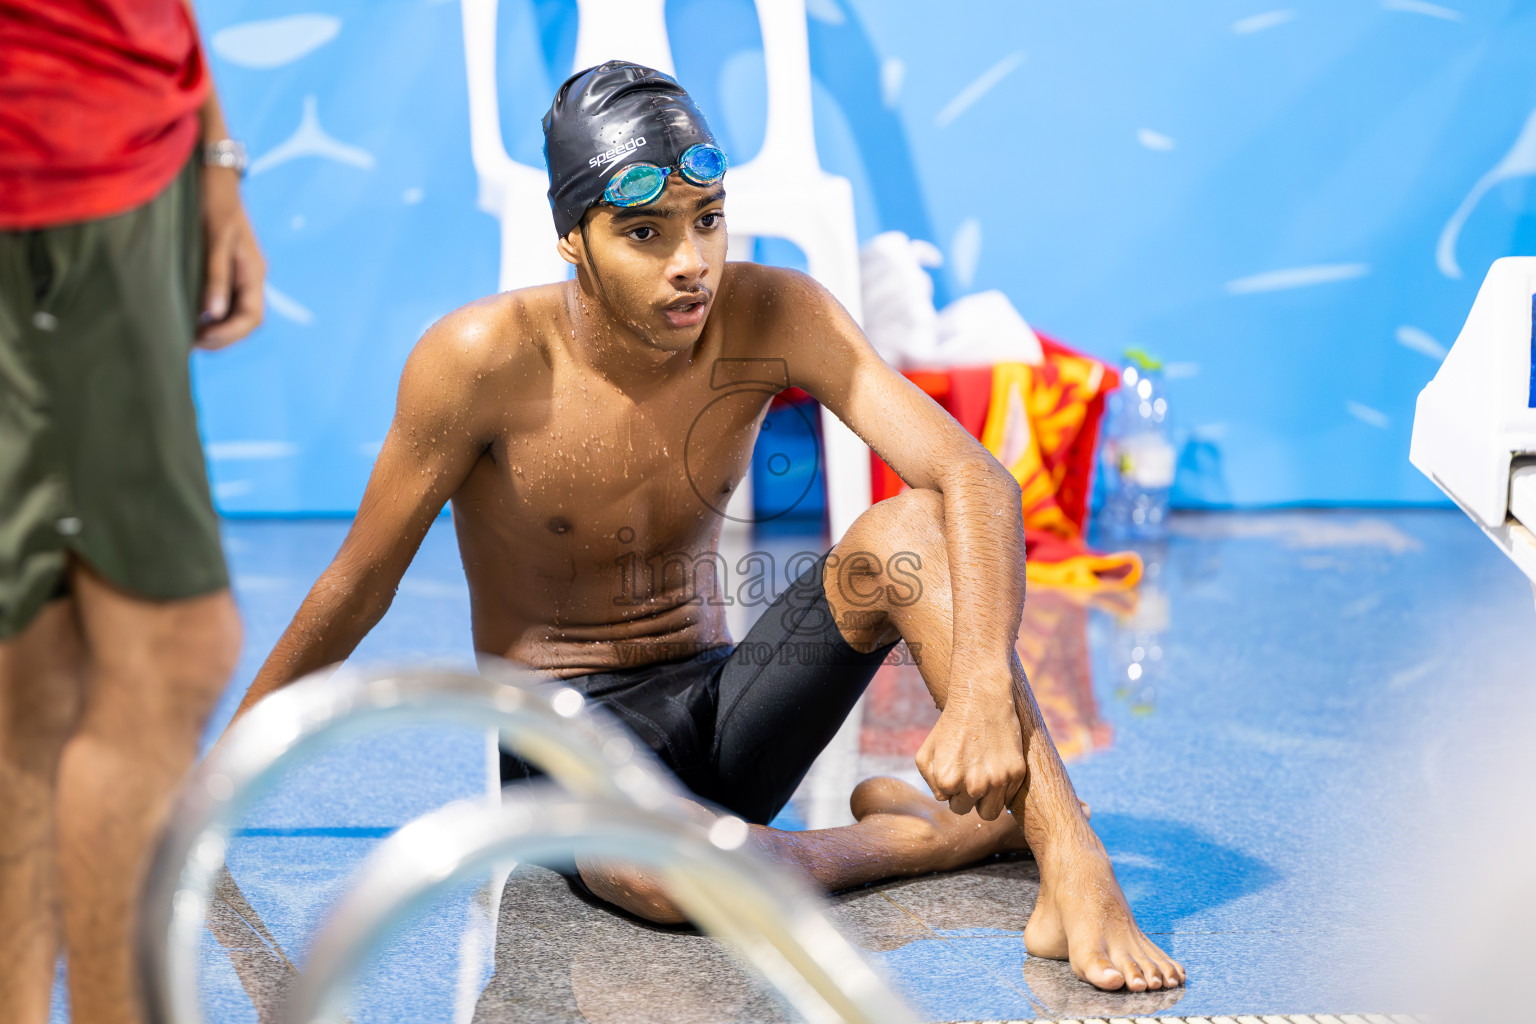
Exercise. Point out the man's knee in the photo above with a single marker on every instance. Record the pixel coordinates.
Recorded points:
(914, 519)
(888, 561)
(894, 535)
(633, 889)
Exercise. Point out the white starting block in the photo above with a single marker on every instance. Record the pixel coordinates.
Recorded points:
(1474, 431)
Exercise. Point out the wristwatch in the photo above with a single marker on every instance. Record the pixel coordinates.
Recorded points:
(226, 153)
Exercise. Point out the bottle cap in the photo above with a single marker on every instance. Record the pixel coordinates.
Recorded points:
(1143, 360)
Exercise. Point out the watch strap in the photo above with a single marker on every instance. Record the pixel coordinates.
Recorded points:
(228, 153)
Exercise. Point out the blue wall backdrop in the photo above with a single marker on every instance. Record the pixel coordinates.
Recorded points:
(1291, 201)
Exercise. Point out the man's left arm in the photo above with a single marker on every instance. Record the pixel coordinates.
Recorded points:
(231, 305)
(974, 755)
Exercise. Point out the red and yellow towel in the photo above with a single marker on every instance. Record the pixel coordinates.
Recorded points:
(1042, 423)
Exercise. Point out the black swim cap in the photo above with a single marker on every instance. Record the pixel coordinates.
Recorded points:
(609, 117)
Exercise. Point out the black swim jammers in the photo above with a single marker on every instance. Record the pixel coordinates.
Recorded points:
(740, 725)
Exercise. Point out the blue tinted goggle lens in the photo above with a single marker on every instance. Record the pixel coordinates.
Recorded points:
(636, 184)
(702, 164)
(639, 184)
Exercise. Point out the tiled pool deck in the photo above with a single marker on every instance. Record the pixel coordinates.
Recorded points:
(1300, 682)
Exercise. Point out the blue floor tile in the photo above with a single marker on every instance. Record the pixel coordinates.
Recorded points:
(1259, 788)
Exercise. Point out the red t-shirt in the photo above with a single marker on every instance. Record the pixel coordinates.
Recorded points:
(98, 106)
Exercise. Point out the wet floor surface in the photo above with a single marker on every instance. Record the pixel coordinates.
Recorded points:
(1256, 732)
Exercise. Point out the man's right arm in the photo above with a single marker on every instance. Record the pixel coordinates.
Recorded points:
(437, 435)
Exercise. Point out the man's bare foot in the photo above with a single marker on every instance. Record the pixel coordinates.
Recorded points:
(947, 840)
(1082, 917)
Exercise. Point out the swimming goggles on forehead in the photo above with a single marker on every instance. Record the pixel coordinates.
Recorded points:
(642, 183)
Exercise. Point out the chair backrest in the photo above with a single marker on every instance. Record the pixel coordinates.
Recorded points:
(512, 192)
(634, 30)
(637, 30)
(790, 139)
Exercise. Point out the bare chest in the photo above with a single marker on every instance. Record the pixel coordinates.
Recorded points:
(603, 471)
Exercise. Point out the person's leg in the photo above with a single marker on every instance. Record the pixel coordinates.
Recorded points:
(155, 669)
(898, 832)
(782, 694)
(40, 678)
(1081, 915)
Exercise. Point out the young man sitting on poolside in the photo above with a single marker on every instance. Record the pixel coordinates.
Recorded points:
(578, 432)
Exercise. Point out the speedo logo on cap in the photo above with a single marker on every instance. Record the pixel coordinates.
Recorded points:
(610, 155)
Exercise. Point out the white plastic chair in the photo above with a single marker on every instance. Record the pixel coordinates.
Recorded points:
(515, 194)
(784, 193)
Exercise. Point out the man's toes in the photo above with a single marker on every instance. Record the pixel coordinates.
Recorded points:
(1152, 970)
(1167, 970)
(1149, 974)
(1161, 971)
(1174, 971)
(1135, 978)
(1100, 972)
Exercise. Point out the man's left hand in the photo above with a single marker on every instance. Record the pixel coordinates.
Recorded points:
(974, 757)
(232, 298)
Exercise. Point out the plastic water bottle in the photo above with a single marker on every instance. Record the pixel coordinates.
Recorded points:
(1138, 456)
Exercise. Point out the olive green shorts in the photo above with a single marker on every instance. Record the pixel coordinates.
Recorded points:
(99, 451)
